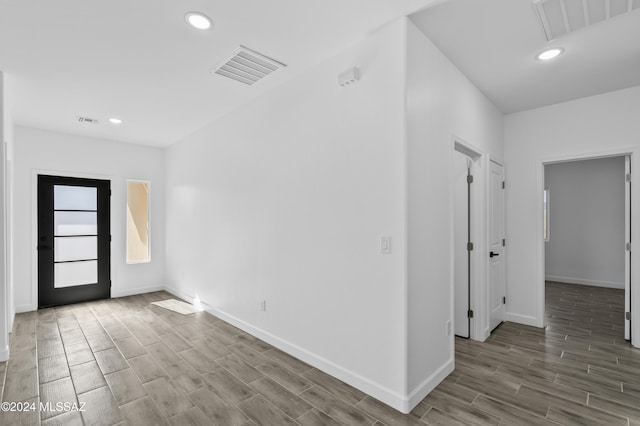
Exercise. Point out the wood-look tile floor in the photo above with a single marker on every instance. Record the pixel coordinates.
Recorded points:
(133, 363)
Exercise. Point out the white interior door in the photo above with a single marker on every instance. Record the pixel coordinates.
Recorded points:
(627, 253)
(496, 247)
(461, 165)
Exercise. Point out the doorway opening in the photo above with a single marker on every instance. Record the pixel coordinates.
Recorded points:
(467, 241)
(74, 240)
(587, 245)
(463, 244)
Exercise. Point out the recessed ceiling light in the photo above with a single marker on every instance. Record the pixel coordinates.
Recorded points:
(115, 121)
(549, 54)
(198, 20)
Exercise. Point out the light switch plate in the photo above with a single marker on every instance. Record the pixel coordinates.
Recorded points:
(385, 245)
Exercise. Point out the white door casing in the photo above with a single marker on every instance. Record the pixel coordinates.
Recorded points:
(633, 295)
(627, 253)
(496, 250)
(461, 165)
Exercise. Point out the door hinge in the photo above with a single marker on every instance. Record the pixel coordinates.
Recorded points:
(627, 177)
(627, 246)
(504, 242)
(504, 300)
(502, 184)
(469, 178)
(469, 313)
(627, 316)
(469, 246)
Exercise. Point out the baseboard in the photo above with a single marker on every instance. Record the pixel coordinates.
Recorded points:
(485, 334)
(424, 388)
(114, 294)
(523, 319)
(12, 318)
(25, 308)
(4, 354)
(582, 281)
(189, 298)
(137, 290)
(377, 391)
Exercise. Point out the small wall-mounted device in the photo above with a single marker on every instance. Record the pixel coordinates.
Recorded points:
(350, 76)
(385, 245)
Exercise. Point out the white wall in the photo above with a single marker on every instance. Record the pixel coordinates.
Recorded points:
(285, 200)
(5, 305)
(587, 222)
(590, 127)
(9, 196)
(38, 151)
(441, 104)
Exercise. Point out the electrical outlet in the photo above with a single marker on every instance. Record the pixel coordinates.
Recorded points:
(263, 306)
(449, 328)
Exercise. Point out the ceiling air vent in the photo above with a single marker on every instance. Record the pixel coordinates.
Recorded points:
(560, 17)
(87, 120)
(248, 66)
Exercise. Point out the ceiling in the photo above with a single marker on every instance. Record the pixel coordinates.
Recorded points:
(140, 62)
(494, 43)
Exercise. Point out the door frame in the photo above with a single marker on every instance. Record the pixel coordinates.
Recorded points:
(492, 159)
(34, 224)
(634, 154)
(478, 329)
(628, 171)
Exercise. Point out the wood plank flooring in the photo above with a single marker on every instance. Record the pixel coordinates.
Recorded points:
(134, 363)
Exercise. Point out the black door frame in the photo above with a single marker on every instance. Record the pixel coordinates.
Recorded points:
(47, 294)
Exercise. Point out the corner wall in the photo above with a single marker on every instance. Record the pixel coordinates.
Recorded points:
(5, 305)
(285, 201)
(38, 151)
(442, 105)
(9, 196)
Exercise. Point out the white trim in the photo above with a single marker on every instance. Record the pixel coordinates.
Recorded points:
(485, 334)
(521, 319)
(404, 369)
(429, 384)
(8, 237)
(478, 237)
(380, 392)
(540, 257)
(583, 281)
(634, 153)
(137, 290)
(114, 294)
(546, 212)
(26, 308)
(627, 238)
(4, 354)
(492, 159)
(34, 224)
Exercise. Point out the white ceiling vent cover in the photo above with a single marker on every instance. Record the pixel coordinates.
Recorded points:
(248, 66)
(560, 17)
(87, 120)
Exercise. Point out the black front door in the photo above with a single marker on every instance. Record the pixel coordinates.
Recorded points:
(74, 240)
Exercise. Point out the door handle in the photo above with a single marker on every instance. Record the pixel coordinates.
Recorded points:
(492, 254)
